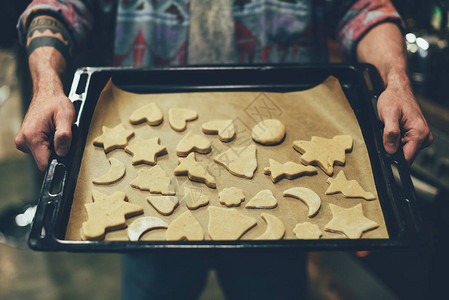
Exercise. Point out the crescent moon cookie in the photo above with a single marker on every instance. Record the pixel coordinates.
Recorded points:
(153, 180)
(194, 197)
(275, 228)
(289, 170)
(263, 199)
(145, 150)
(349, 221)
(113, 138)
(349, 188)
(165, 205)
(324, 152)
(142, 225)
(231, 196)
(268, 132)
(228, 223)
(309, 197)
(193, 142)
(178, 117)
(116, 172)
(194, 170)
(107, 212)
(224, 129)
(239, 161)
(151, 113)
(185, 227)
(307, 231)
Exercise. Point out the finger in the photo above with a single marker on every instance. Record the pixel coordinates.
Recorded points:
(392, 132)
(63, 134)
(410, 149)
(21, 145)
(41, 154)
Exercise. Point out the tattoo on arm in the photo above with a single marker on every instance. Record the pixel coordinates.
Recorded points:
(45, 31)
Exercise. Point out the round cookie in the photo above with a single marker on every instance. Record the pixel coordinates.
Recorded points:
(268, 132)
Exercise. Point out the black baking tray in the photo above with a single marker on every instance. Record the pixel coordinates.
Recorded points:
(361, 85)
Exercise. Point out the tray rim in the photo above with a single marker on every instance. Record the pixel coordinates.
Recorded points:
(43, 236)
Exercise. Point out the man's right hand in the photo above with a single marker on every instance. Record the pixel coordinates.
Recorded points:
(47, 123)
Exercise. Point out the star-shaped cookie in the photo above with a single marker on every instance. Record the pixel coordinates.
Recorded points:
(324, 152)
(145, 150)
(349, 188)
(349, 221)
(107, 212)
(289, 170)
(113, 138)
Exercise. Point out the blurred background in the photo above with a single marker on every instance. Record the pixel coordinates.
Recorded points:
(400, 274)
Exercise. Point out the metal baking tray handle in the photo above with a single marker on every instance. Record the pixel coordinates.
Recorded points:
(407, 192)
(42, 229)
(78, 91)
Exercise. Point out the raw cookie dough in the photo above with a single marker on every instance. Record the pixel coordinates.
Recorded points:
(142, 225)
(107, 212)
(151, 113)
(263, 199)
(239, 161)
(268, 132)
(289, 170)
(193, 142)
(231, 196)
(113, 138)
(224, 128)
(349, 221)
(349, 188)
(194, 197)
(165, 205)
(178, 117)
(145, 150)
(116, 172)
(228, 223)
(185, 227)
(306, 195)
(275, 228)
(194, 170)
(307, 231)
(324, 152)
(154, 180)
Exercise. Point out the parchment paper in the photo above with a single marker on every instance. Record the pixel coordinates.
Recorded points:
(321, 111)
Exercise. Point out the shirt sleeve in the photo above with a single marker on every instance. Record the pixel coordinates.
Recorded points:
(76, 15)
(360, 18)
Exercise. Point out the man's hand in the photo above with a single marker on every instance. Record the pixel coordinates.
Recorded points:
(48, 121)
(51, 114)
(404, 122)
(384, 47)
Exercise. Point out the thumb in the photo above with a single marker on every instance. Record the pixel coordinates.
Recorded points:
(392, 131)
(63, 133)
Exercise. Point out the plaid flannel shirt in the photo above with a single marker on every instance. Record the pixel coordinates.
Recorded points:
(155, 32)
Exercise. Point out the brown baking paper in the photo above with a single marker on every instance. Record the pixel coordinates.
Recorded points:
(320, 111)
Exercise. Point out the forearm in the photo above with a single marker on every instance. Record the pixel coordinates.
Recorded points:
(384, 47)
(404, 124)
(48, 48)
